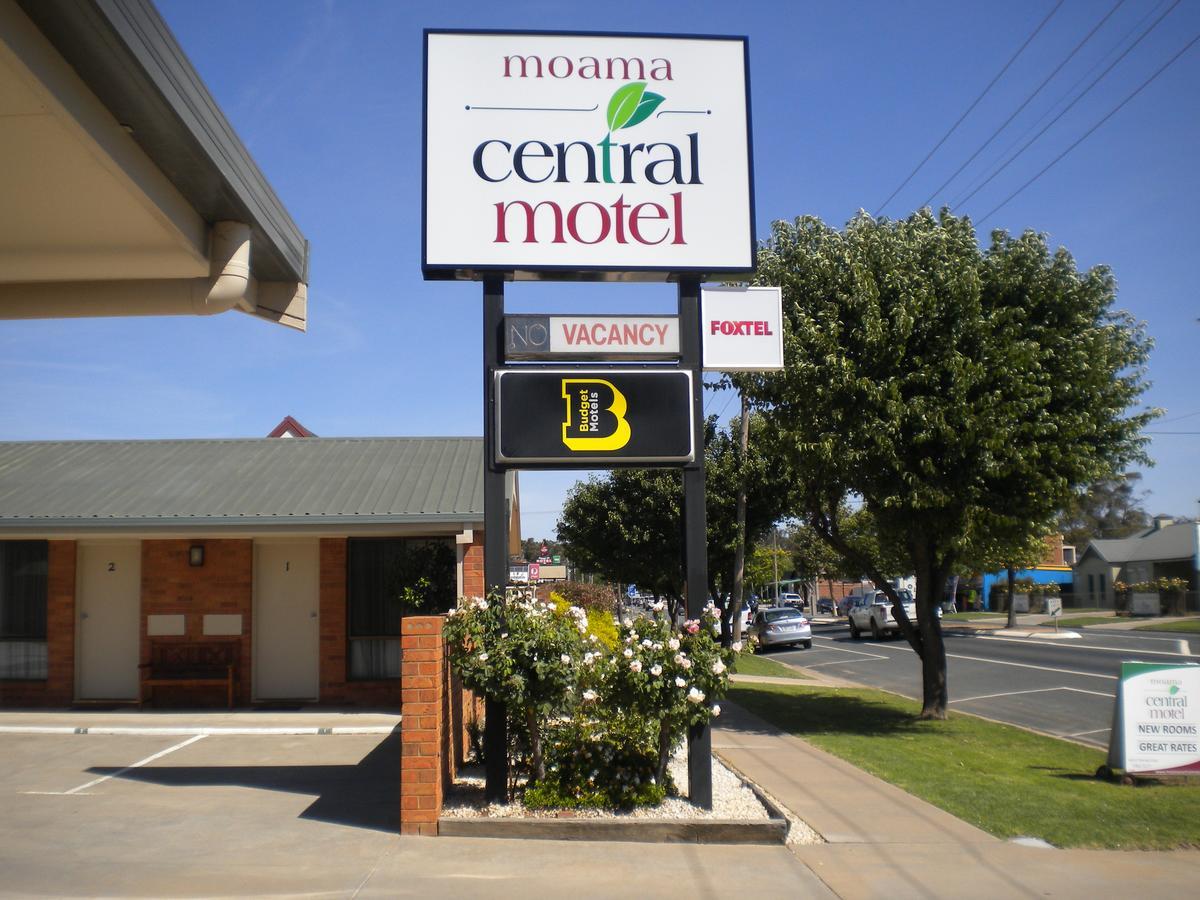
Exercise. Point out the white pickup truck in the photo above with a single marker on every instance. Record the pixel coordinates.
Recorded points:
(873, 612)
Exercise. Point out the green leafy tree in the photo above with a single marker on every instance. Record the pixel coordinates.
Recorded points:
(626, 525)
(936, 380)
(1109, 508)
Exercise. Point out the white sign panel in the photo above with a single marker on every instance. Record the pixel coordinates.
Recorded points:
(742, 328)
(591, 337)
(591, 154)
(1159, 713)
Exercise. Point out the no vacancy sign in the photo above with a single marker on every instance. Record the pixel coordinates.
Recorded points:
(591, 154)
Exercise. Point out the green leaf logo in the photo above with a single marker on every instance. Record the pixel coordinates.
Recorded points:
(1174, 689)
(630, 105)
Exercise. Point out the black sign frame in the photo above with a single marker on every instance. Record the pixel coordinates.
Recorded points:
(676, 384)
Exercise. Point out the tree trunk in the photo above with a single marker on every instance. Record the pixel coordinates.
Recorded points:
(537, 766)
(931, 582)
(1012, 607)
(664, 753)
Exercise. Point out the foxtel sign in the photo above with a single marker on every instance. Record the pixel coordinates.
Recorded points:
(586, 155)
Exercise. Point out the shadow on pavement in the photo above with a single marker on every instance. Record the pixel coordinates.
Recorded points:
(364, 795)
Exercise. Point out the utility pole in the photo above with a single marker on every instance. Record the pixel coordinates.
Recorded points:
(739, 553)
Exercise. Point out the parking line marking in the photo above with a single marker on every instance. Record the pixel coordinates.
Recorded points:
(1005, 694)
(1127, 651)
(1184, 649)
(1082, 733)
(1004, 662)
(1035, 691)
(137, 765)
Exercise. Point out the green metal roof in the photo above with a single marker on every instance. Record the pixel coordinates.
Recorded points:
(266, 482)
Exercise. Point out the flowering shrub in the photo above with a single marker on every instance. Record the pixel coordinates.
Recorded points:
(520, 653)
(602, 719)
(669, 678)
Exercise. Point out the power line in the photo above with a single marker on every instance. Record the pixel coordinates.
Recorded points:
(990, 85)
(1026, 102)
(1088, 133)
(1069, 91)
(1068, 108)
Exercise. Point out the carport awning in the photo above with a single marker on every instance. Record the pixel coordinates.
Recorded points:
(115, 163)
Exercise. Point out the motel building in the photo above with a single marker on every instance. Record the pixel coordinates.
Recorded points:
(293, 561)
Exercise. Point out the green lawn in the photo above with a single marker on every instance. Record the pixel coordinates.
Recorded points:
(1187, 626)
(757, 665)
(968, 616)
(1002, 779)
(1083, 621)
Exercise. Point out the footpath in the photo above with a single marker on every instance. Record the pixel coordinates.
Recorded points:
(883, 842)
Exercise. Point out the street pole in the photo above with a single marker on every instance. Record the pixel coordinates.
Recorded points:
(495, 530)
(695, 541)
(739, 553)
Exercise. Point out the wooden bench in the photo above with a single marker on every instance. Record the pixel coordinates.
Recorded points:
(178, 664)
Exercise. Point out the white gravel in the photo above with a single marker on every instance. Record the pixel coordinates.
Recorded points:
(732, 799)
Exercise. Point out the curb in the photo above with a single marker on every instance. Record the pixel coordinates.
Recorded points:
(662, 831)
(166, 731)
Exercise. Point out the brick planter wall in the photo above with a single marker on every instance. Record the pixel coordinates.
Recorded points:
(426, 754)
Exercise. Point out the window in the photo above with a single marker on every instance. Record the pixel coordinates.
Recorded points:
(23, 575)
(388, 578)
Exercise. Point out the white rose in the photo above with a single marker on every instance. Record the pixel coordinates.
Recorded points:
(716, 711)
(737, 646)
(566, 660)
(695, 695)
(636, 665)
(628, 653)
(718, 667)
(656, 670)
(673, 643)
(679, 682)
(483, 657)
(589, 695)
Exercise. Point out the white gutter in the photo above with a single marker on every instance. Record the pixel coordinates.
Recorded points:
(228, 286)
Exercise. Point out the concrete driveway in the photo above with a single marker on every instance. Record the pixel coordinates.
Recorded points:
(300, 815)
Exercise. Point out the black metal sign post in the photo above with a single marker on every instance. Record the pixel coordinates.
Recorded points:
(695, 542)
(495, 529)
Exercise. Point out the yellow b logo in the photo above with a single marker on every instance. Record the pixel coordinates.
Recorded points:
(595, 415)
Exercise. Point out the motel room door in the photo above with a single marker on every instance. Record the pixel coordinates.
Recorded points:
(109, 578)
(286, 624)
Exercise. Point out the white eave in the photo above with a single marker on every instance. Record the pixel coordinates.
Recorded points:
(115, 168)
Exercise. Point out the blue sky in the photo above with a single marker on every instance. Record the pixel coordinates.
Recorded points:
(847, 99)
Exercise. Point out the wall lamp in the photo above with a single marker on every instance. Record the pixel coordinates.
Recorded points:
(196, 555)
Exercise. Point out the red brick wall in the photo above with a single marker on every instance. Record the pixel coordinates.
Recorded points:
(425, 748)
(59, 687)
(336, 689)
(224, 585)
(473, 567)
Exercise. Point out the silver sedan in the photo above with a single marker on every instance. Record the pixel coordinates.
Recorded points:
(781, 626)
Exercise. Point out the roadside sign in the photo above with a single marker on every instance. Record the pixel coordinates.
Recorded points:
(535, 572)
(585, 416)
(742, 328)
(591, 337)
(586, 155)
(1156, 719)
(518, 574)
(1054, 606)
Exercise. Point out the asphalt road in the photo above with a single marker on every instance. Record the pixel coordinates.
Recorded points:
(1063, 687)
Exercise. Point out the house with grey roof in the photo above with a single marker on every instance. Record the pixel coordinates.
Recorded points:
(295, 558)
(1165, 550)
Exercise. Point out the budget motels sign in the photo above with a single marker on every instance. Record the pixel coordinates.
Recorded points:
(592, 154)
